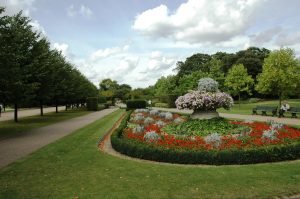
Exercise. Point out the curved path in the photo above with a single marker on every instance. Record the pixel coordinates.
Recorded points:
(284, 120)
(25, 113)
(12, 149)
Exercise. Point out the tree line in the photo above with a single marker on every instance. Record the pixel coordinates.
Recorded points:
(255, 72)
(33, 74)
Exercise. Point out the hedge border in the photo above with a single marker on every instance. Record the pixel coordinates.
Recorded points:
(274, 153)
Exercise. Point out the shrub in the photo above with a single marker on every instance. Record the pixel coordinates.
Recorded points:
(151, 136)
(134, 104)
(168, 116)
(154, 112)
(162, 105)
(197, 100)
(102, 99)
(254, 100)
(138, 129)
(101, 106)
(92, 103)
(208, 85)
(148, 121)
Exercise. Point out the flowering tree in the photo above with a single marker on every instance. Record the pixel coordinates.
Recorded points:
(207, 98)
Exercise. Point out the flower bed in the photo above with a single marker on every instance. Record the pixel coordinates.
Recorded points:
(148, 134)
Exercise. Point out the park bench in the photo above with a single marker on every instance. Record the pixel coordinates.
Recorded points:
(294, 111)
(265, 109)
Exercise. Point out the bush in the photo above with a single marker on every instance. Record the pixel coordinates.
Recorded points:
(162, 105)
(92, 103)
(168, 99)
(102, 100)
(134, 104)
(101, 106)
(254, 100)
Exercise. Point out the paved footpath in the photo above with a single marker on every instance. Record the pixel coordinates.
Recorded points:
(25, 113)
(288, 121)
(12, 149)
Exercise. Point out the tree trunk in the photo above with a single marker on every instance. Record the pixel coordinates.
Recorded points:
(66, 107)
(56, 108)
(279, 101)
(239, 101)
(16, 113)
(41, 108)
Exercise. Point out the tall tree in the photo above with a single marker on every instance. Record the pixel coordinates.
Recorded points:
(280, 75)
(17, 39)
(197, 62)
(238, 81)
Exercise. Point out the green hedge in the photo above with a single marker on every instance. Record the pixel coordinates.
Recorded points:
(225, 157)
(162, 105)
(134, 104)
(92, 103)
(169, 99)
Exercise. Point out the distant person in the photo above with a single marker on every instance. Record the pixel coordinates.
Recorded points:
(149, 102)
(284, 107)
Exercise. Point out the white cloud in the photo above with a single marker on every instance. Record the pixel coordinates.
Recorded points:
(159, 62)
(73, 11)
(288, 39)
(36, 26)
(15, 6)
(63, 48)
(107, 52)
(265, 36)
(205, 21)
(85, 11)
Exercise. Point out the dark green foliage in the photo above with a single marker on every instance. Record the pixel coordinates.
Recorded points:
(102, 99)
(169, 100)
(162, 105)
(205, 127)
(137, 103)
(92, 103)
(233, 156)
(32, 73)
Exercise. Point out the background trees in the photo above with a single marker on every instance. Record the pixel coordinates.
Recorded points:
(280, 75)
(33, 74)
(238, 81)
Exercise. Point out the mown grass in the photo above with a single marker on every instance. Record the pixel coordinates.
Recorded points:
(74, 168)
(246, 108)
(11, 128)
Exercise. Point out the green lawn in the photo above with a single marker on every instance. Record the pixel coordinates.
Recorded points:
(11, 128)
(246, 108)
(74, 168)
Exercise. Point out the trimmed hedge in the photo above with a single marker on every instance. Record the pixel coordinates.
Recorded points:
(134, 104)
(162, 105)
(92, 103)
(224, 157)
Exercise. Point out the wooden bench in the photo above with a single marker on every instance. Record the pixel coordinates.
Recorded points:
(265, 109)
(294, 111)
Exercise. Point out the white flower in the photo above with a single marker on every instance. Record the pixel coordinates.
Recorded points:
(213, 139)
(151, 136)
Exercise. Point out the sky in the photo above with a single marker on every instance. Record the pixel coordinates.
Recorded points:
(136, 42)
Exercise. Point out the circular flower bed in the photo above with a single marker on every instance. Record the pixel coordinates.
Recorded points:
(163, 136)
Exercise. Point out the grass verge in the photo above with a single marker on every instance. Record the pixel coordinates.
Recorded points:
(246, 108)
(74, 168)
(11, 128)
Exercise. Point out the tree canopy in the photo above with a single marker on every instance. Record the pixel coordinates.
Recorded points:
(280, 74)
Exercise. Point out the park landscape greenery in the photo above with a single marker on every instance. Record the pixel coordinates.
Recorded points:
(33, 74)
(36, 75)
